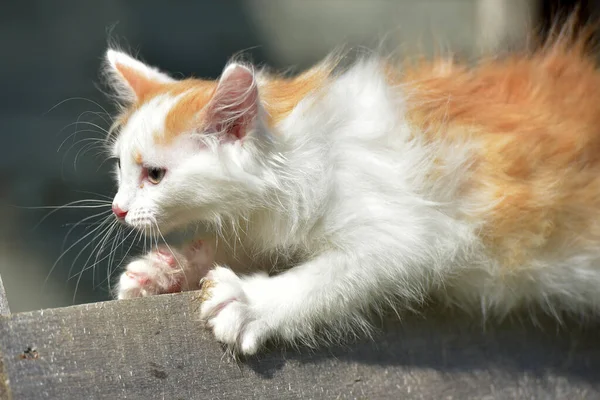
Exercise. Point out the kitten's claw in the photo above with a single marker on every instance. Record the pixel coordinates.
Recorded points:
(227, 312)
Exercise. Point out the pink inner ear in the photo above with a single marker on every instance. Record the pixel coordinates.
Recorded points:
(139, 83)
(234, 106)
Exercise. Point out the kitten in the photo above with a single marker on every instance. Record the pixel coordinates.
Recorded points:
(339, 193)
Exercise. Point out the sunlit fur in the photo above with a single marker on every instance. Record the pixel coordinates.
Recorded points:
(373, 186)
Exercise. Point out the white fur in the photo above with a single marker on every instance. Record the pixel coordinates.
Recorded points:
(342, 192)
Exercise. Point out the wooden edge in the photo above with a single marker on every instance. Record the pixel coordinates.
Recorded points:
(4, 311)
(155, 348)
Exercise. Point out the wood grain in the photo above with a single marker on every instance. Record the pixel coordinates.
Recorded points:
(154, 348)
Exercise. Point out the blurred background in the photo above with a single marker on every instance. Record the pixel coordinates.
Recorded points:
(50, 80)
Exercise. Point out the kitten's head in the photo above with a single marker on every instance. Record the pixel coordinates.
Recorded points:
(187, 150)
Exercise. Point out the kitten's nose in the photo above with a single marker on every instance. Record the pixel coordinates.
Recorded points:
(119, 213)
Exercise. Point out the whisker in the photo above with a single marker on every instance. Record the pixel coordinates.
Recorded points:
(88, 123)
(92, 144)
(85, 224)
(145, 237)
(111, 260)
(171, 250)
(56, 208)
(98, 139)
(97, 250)
(106, 225)
(153, 237)
(104, 161)
(66, 251)
(94, 113)
(80, 275)
(93, 251)
(99, 114)
(128, 250)
(95, 194)
(78, 98)
(101, 223)
(80, 222)
(104, 241)
(112, 270)
(101, 152)
(82, 151)
(72, 205)
(103, 203)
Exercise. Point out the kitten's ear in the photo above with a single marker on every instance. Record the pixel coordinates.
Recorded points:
(132, 79)
(235, 103)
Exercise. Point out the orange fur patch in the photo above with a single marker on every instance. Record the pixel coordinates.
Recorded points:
(536, 121)
(279, 97)
(140, 84)
(186, 114)
(137, 157)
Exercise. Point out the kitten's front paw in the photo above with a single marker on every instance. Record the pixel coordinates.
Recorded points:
(156, 273)
(227, 312)
(165, 270)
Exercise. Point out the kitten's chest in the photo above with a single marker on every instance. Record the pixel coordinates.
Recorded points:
(246, 253)
(245, 260)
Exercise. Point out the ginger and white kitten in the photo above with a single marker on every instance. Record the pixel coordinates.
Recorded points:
(336, 194)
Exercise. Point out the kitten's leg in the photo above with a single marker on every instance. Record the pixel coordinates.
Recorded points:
(334, 289)
(166, 270)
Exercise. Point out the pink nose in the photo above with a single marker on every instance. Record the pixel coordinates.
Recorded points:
(118, 212)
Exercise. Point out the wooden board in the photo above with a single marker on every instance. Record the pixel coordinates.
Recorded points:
(154, 348)
(4, 310)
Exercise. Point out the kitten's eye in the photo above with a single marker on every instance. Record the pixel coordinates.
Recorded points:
(155, 175)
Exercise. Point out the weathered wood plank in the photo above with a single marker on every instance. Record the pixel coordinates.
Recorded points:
(154, 348)
(4, 309)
